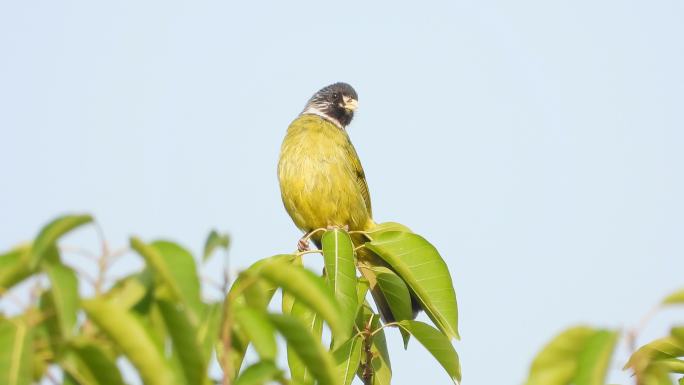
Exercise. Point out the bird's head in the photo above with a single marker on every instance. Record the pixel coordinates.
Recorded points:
(336, 103)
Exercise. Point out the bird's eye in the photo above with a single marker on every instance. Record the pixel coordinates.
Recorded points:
(336, 95)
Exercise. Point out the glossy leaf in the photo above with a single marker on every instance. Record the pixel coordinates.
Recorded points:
(214, 241)
(386, 227)
(419, 264)
(129, 334)
(396, 295)
(50, 233)
(65, 299)
(16, 354)
(258, 330)
(309, 289)
(186, 343)
(258, 374)
(348, 358)
(317, 359)
(437, 344)
(88, 364)
(340, 268)
(676, 298)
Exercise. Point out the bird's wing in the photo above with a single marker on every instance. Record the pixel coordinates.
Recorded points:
(360, 175)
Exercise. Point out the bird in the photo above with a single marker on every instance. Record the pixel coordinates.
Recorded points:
(322, 182)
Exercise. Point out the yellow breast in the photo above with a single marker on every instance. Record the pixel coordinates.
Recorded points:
(319, 177)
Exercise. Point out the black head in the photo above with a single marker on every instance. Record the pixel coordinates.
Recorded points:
(336, 102)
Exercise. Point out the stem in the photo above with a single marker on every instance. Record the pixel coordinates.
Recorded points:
(367, 373)
(316, 251)
(384, 326)
(633, 333)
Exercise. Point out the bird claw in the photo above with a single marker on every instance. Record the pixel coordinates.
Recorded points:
(303, 244)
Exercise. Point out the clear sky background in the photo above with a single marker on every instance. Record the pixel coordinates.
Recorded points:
(537, 144)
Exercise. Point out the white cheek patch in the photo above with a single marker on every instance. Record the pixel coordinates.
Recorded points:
(312, 110)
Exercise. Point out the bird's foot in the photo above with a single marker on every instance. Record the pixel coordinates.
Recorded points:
(303, 244)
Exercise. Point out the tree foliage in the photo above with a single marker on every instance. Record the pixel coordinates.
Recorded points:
(333, 324)
(158, 320)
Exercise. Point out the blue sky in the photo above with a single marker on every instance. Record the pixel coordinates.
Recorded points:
(537, 144)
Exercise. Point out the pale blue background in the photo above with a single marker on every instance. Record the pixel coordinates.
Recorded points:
(537, 144)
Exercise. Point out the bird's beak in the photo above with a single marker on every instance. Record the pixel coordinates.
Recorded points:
(350, 104)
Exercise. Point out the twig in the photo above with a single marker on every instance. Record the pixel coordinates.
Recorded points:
(316, 251)
(633, 333)
(80, 251)
(367, 373)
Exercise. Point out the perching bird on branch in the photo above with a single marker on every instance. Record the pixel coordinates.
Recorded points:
(321, 179)
(322, 182)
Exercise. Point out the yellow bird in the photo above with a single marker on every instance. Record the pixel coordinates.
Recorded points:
(321, 179)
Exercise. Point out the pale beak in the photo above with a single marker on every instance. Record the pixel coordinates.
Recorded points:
(350, 104)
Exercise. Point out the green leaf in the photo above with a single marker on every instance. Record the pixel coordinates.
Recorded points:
(309, 289)
(419, 264)
(340, 268)
(215, 240)
(668, 347)
(595, 358)
(676, 298)
(130, 291)
(361, 291)
(386, 227)
(16, 354)
(566, 356)
(186, 343)
(64, 293)
(391, 291)
(175, 268)
(183, 269)
(88, 364)
(50, 233)
(158, 264)
(248, 289)
(437, 344)
(14, 267)
(314, 325)
(129, 334)
(672, 365)
(319, 362)
(208, 331)
(348, 358)
(259, 330)
(259, 373)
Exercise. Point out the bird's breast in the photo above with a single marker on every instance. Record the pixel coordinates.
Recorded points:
(317, 182)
